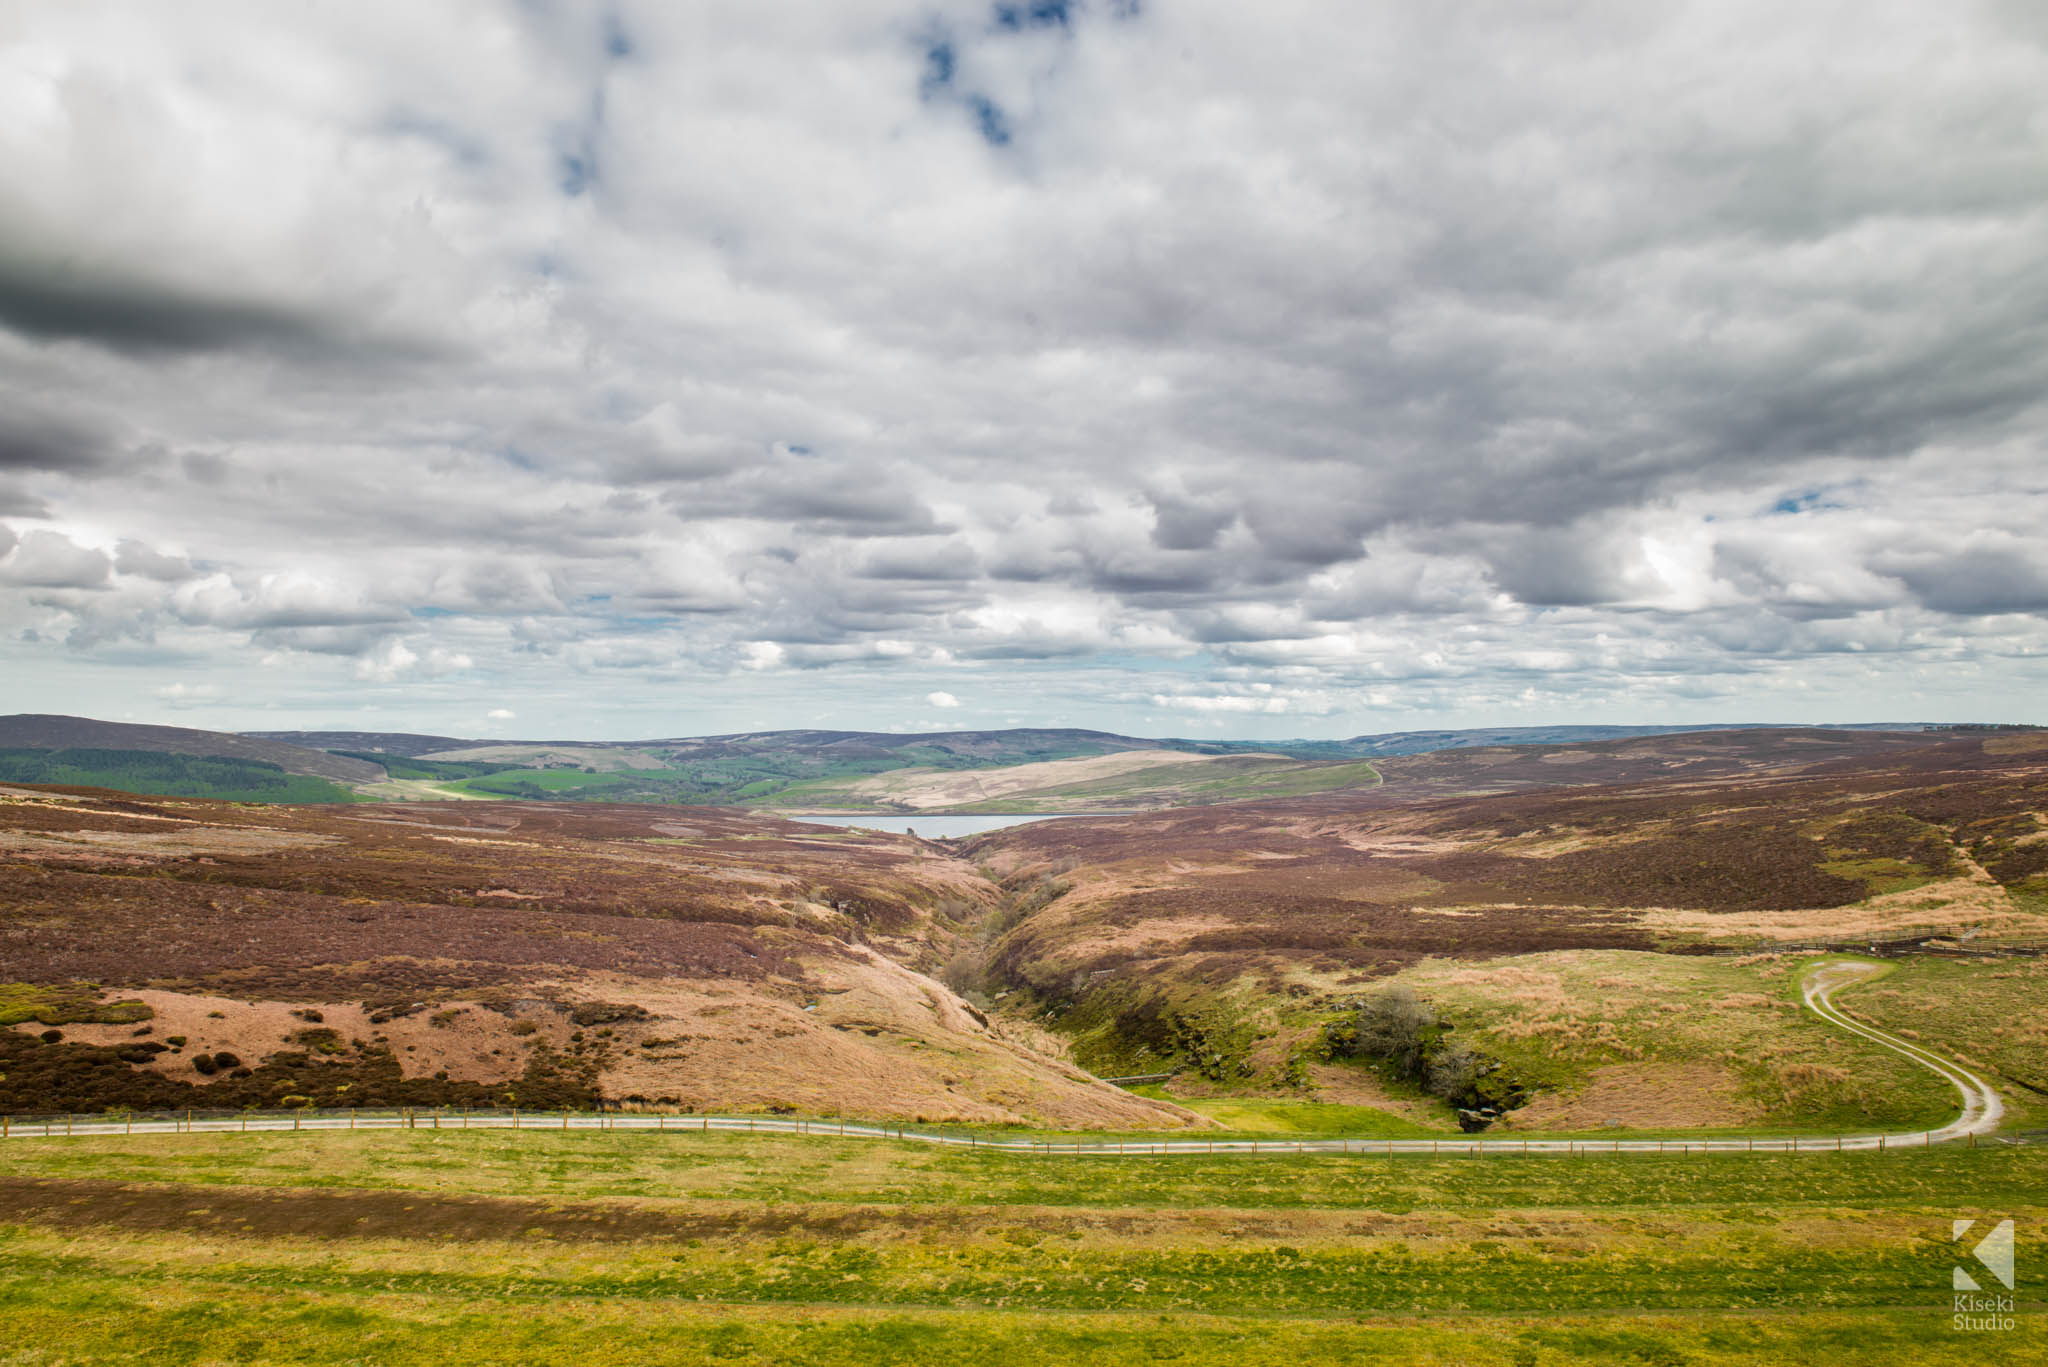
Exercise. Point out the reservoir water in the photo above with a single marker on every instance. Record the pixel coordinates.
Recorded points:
(932, 827)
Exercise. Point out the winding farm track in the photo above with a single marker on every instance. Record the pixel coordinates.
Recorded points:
(1982, 1110)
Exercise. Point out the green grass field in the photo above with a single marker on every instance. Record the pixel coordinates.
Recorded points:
(489, 1247)
(1562, 1019)
(1260, 1116)
(1986, 1016)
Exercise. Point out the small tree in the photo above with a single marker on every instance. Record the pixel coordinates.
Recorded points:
(1393, 1024)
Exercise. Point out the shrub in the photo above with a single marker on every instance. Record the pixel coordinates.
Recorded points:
(607, 1013)
(1392, 1024)
(966, 973)
(205, 1064)
(1397, 1027)
(224, 1059)
(52, 1036)
(320, 1039)
(1451, 1072)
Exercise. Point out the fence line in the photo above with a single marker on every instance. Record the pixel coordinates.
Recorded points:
(1475, 1146)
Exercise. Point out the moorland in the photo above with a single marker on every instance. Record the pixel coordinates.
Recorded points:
(1599, 937)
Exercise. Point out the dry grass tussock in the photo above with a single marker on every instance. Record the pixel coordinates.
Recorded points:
(1643, 1096)
(179, 844)
(1941, 907)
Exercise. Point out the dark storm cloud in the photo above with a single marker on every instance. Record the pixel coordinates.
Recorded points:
(1974, 581)
(42, 440)
(1180, 524)
(945, 562)
(18, 502)
(1555, 567)
(49, 300)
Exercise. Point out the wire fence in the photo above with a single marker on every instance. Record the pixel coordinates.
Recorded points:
(54, 1126)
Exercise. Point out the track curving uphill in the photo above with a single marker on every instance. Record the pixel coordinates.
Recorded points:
(1981, 1113)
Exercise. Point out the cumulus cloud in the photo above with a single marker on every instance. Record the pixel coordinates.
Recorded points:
(1600, 357)
(394, 659)
(1219, 703)
(133, 557)
(942, 699)
(189, 694)
(45, 559)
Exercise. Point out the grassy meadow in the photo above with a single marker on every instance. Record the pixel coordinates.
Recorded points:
(1734, 1027)
(489, 1247)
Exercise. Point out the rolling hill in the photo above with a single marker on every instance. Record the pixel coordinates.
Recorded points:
(1621, 944)
(30, 731)
(174, 761)
(498, 954)
(1051, 771)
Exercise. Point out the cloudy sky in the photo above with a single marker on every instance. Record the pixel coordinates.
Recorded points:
(1167, 366)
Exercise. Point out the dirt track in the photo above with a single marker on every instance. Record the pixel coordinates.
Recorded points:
(1981, 1113)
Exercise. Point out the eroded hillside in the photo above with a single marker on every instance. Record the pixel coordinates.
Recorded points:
(175, 952)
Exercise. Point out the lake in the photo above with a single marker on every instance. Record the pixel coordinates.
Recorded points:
(934, 827)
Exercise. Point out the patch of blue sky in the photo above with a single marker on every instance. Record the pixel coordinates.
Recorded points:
(989, 120)
(618, 43)
(1035, 14)
(941, 64)
(1805, 501)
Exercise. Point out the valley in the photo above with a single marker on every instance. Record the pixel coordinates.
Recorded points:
(1657, 1049)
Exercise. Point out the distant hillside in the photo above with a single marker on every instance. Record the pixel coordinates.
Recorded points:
(1160, 778)
(161, 774)
(379, 742)
(1424, 742)
(1387, 743)
(736, 769)
(1014, 746)
(1016, 769)
(32, 731)
(1023, 745)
